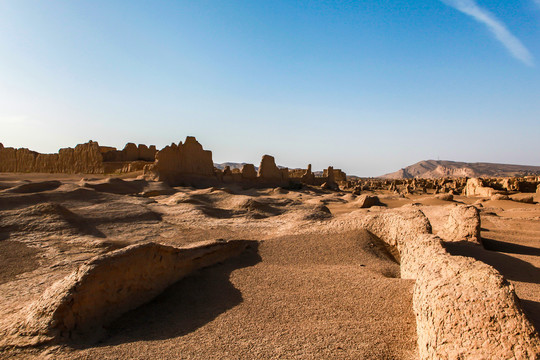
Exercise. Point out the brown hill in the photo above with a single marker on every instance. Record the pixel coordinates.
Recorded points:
(443, 168)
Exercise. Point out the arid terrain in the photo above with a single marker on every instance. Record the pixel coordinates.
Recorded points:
(313, 283)
(139, 253)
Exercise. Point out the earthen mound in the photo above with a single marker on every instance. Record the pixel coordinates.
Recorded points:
(316, 213)
(46, 218)
(34, 187)
(524, 198)
(258, 209)
(116, 186)
(499, 197)
(366, 201)
(445, 197)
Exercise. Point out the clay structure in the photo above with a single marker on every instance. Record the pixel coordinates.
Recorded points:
(111, 284)
(183, 164)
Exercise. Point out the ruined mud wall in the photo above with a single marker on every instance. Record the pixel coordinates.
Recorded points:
(185, 164)
(464, 308)
(337, 174)
(463, 224)
(189, 164)
(410, 186)
(178, 163)
(131, 152)
(84, 158)
(475, 187)
(89, 158)
(108, 286)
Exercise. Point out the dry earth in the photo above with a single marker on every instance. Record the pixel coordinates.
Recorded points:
(317, 286)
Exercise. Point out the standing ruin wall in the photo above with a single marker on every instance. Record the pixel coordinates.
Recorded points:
(88, 158)
(184, 164)
(84, 158)
(464, 308)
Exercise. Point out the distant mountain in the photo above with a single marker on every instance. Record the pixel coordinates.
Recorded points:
(430, 169)
(232, 165)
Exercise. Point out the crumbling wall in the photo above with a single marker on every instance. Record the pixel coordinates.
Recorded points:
(84, 158)
(308, 177)
(248, 172)
(464, 308)
(268, 169)
(89, 158)
(108, 286)
(463, 224)
(131, 152)
(183, 164)
(177, 163)
(475, 187)
(338, 174)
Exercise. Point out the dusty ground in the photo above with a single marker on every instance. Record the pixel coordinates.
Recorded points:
(316, 287)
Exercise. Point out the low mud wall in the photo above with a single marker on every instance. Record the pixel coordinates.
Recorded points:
(464, 308)
(110, 285)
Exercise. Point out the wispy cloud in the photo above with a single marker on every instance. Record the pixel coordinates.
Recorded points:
(497, 28)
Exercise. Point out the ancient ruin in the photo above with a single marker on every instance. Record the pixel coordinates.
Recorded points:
(183, 164)
(109, 285)
(451, 294)
(103, 249)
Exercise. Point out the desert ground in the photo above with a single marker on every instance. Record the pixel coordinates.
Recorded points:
(312, 283)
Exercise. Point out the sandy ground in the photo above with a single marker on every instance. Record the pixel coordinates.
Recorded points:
(315, 287)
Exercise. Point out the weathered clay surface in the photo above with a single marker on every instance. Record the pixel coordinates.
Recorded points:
(463, 224)
(108, 286)
(397, 228)
(464, 308)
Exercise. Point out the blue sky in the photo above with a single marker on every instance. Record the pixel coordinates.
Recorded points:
(366, 86)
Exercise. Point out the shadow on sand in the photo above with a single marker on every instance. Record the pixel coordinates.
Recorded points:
(510, 267)
(185, 306)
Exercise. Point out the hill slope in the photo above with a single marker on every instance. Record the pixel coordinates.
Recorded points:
(442, 168)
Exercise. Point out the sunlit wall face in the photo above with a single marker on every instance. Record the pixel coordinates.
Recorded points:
(364, 86)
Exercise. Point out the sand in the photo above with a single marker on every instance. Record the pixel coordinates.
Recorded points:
(315, 287)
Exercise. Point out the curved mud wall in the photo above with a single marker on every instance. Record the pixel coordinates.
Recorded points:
(464, 308)
(111, 284)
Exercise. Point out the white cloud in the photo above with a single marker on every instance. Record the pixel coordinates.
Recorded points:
(497, 28)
